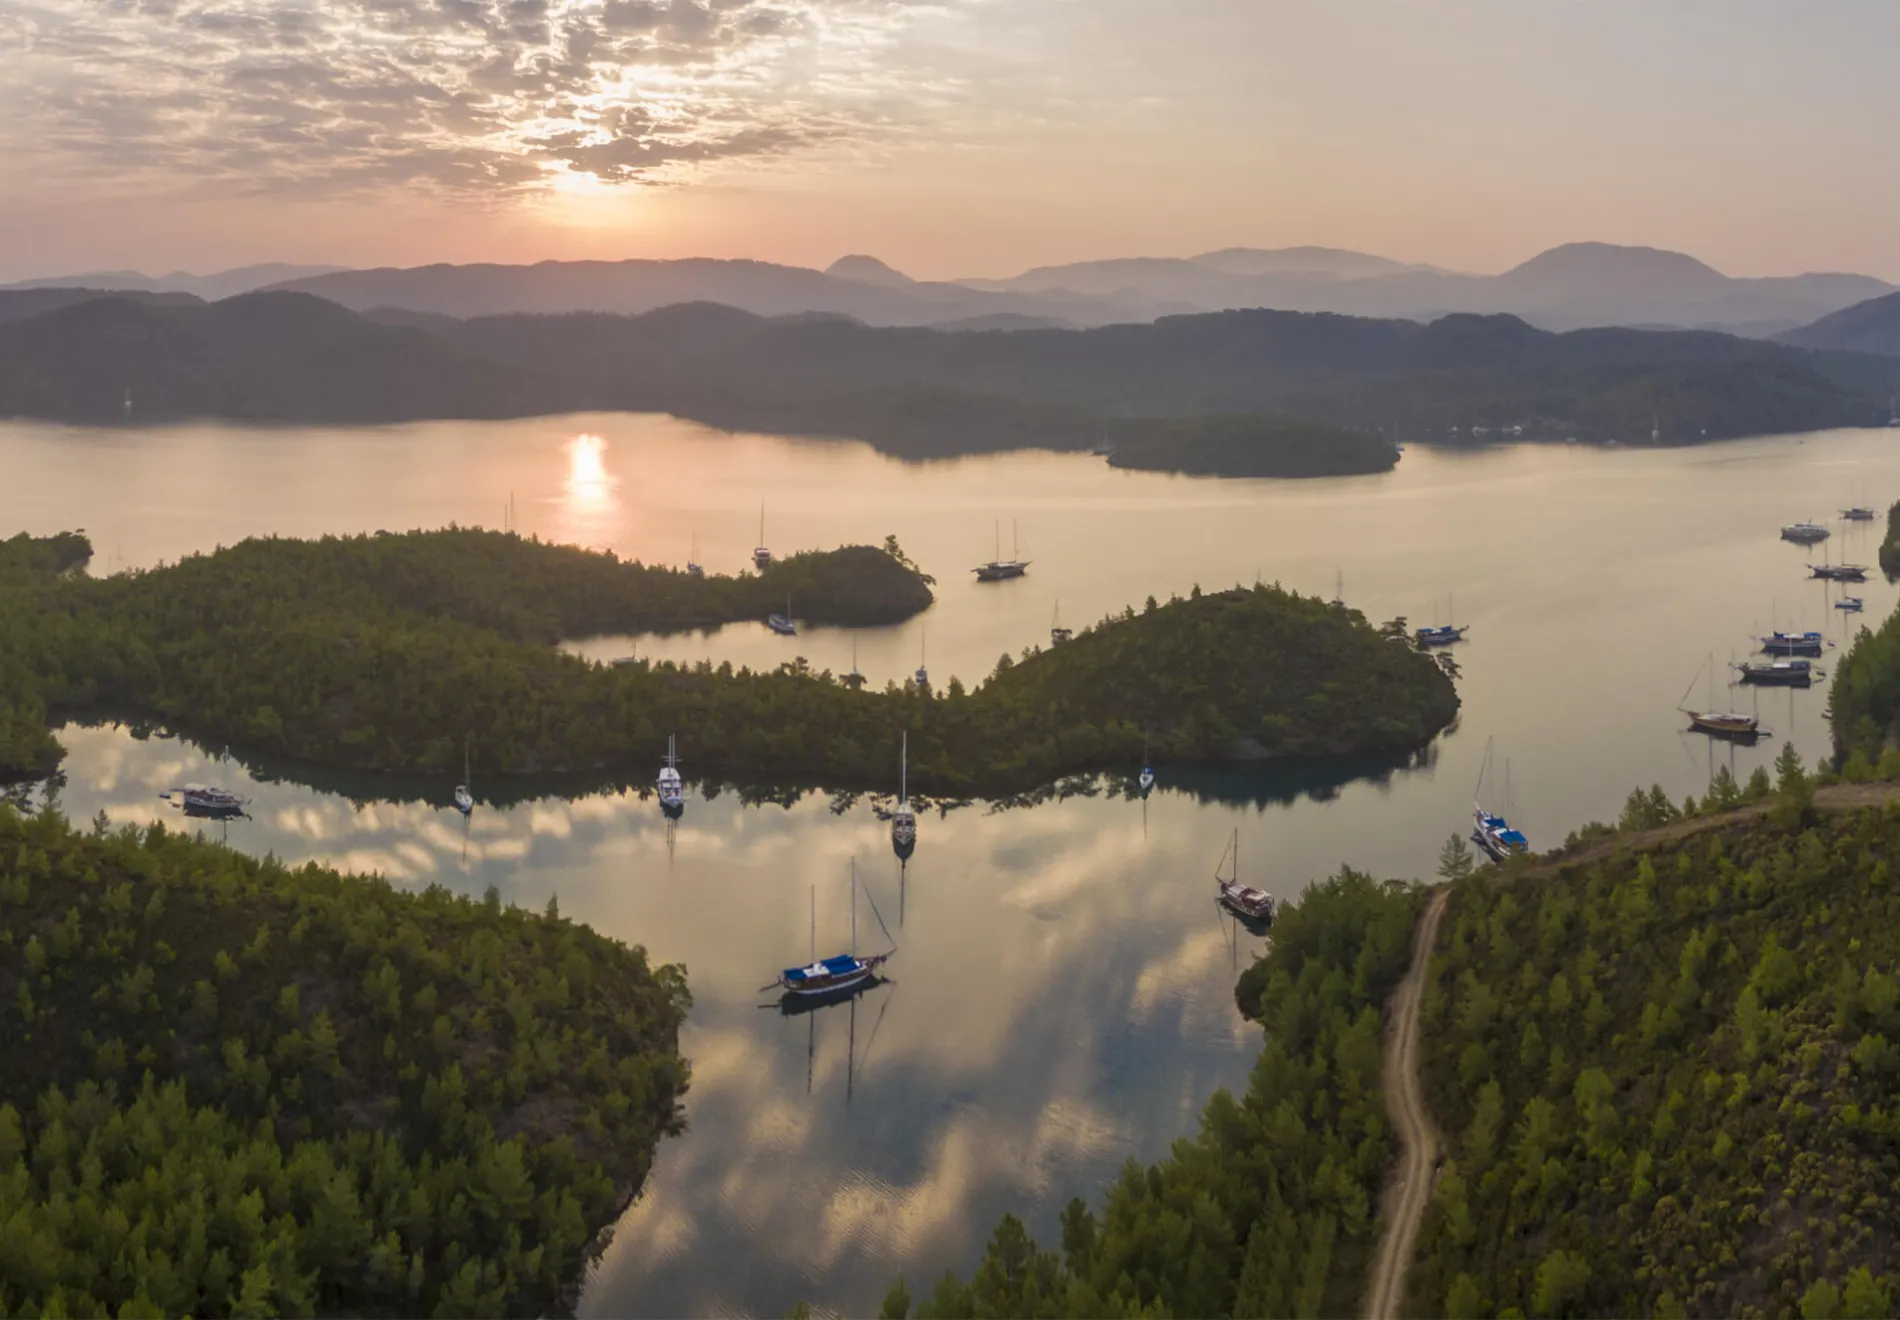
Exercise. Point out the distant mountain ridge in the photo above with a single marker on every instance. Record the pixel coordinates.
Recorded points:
(222, 284)
(919, 392)
(1573, 286)
(1868, 327)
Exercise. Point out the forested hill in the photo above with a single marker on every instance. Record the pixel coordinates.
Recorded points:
(1667, 1078)
(391, 653)
(924, 392)
(237, 1089)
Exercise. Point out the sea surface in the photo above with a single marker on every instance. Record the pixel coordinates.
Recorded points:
(1061, 996)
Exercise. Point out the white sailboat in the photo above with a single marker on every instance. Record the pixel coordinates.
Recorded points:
(782, 623)
(672, 790)
(1254, 906)
(464, 800)
(903, 819)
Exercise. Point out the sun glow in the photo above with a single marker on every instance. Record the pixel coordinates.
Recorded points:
(590, 495)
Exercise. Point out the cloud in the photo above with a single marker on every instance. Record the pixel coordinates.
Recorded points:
(457, 97)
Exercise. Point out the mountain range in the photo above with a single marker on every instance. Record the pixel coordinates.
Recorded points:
(1575, 286)
(1173, 384)
(1869, 327)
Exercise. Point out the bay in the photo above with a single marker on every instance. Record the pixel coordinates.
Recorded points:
(1062, 995)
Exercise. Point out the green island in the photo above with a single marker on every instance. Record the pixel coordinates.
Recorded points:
(1890, 544)
(1258, 445)
(384, 653)
(1271, 1208)
(237, 1088)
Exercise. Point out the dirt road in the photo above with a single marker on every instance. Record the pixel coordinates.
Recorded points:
(1411, 1188)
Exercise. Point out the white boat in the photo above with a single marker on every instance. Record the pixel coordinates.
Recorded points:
(1805, 533)
(1146, 779)
(672, 789)
(903, 819)
(999, 569)
(761, 557)
(1490, 831)
(782, 623)
(464, 800)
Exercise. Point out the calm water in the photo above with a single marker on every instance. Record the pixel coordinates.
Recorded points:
(1062, 995)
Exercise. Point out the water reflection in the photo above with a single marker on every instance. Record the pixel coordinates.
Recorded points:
(1061, 999)
(590, 495)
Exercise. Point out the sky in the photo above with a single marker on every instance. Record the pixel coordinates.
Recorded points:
(948, 137)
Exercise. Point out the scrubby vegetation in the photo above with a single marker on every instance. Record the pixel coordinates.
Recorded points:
(384, 653)
(1890, 544)
(1270, 1209)
(234, 1088)
(1666, 1079)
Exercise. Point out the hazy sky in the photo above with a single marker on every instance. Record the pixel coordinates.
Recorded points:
(960, 137)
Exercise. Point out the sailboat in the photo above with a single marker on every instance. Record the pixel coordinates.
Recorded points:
(1786, 643)
(692, 563)
(464, 800)
(1057, 633)
(672, 790)
(1779, 673)
(1254, 906)
(903, 819)
(1852, 604)
(1720, 724)
(761, 557)
(837, 974)
(854, 679)
(1805, 533)
(1441, 636)
(1338, 601)
(1146, 779)
(1490, 831)
(999, 568)
(782, 623)
(922, 676)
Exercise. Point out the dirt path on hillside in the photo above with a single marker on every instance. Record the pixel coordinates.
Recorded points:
(1410, 1187)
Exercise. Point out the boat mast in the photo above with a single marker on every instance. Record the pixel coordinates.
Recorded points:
(814, 925)
(854, 907)
(903, 769)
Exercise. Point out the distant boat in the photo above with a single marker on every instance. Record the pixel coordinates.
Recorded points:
(1852, 604)
(854, 679)
(829, 976)
(692, 563)
(672, 789)
(903, 819)
(1146, 779)
(922, 676)
(1441, 636)
(1838, 572)
(1000, 569)
(464, 800)
(1338, 601)
(1779, 673)
(1859, 513)
(1720, 724)
(203, 800)
(1805, 533)
(782, 623)
(1057, 633)
(1255, 906)
(761, 557)
(1784, 643)
(1491, 832)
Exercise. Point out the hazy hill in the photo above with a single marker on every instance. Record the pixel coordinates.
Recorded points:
(223, 284)
(1569, 287)
(865, 289)
(257, 357)
(1869, 327)
(18, 304)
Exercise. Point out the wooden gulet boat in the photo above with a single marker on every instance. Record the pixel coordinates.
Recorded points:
(835, 975)
(1254, 906)
(1731, 725)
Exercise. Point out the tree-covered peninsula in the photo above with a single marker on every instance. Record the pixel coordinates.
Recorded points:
(384, 653)
(1665, 1074)
(235, 1088)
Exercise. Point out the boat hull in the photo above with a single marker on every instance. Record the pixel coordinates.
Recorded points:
(817, 987)
(1838, 573)
(1771, 676)
(781, 625)
(1430, 637)
(1000, 572)
(1735, 728)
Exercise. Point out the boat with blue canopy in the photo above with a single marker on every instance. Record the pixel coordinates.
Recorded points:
(841, 972)
(1787, 643)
